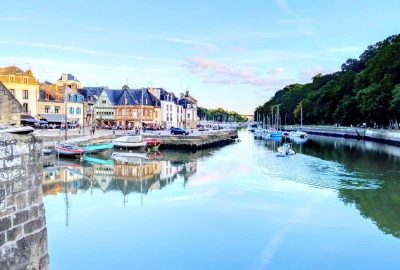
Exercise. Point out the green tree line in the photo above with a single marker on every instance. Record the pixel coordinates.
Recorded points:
(365, 90)
(219, 115)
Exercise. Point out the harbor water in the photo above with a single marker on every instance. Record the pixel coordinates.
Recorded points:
(333, 205)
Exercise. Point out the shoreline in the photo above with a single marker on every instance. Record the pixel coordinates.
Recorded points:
(391, 137)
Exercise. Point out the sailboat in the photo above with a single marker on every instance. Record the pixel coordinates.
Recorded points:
(64, 148)
(299, 133)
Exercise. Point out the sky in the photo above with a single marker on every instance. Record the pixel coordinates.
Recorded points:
(230, 54)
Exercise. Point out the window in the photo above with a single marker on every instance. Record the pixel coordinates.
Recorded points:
(12, 79)
(12, 92)
(46, 109)
(57, 109)
(78, 110)
(47, 96)
(25, 105)
(104, 101)
(188, 115)
(71, 110)
(25, 80)
(25, 94)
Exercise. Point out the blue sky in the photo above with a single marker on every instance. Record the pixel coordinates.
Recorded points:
(231, 54)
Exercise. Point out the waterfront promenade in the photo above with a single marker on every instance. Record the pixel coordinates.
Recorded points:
(195, 140)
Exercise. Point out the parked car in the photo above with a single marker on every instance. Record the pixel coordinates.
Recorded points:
(179, 131)
(202, 128)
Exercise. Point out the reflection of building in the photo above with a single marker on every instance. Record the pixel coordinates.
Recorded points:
(127, 177)
(23, 233)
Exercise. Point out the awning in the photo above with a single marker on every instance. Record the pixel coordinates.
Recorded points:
(53, 117)
(29, 120)
(43, 122)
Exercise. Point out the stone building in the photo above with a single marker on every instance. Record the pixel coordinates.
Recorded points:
(23, 232)
(189, 104)
(11, 109)
(23, 85)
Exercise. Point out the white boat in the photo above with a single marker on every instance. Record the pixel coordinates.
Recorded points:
(285, 150)
(258, 132)
(18, 130)
(130, 141)
(266, 134)
(298, 133)
(65, 149)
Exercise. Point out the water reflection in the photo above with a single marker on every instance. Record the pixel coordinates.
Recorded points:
(23, 232)
(133, 174)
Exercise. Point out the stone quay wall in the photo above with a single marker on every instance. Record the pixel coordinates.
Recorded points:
(23, 232)
(377, 135)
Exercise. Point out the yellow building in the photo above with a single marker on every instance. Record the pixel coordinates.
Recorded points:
(23, 85)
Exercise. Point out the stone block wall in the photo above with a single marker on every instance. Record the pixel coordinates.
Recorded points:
(10, 108)
(23, 232)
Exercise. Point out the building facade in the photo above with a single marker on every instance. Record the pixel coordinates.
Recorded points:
(23, 86)
(189, 104)
(11, 109)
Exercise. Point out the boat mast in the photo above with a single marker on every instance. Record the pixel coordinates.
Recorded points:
(65, 114)
(301, 116)
(141, 115)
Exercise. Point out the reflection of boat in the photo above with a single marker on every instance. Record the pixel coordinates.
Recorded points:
(97, 147)
(285, 150)
(153, 143)
(258, 132)
(18, 130)
(65, 149)
(96, 160)
(129, 141)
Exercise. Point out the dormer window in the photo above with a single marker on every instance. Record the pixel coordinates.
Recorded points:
(25, 80)
(47, 96)
(11, 78)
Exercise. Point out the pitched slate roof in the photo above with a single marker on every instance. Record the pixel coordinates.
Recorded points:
(184, 102)
(91, 93)
(113, 95)
(70, 77)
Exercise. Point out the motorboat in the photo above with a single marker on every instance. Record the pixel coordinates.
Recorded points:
(153, 143)
(285, 150)
(275, 133)
(65, 149)
(18, 130)
(298, 133)
(130, 141)
(266, 134)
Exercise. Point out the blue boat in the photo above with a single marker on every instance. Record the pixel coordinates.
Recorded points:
(98, 147)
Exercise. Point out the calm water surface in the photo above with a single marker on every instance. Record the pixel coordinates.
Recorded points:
(334, 205)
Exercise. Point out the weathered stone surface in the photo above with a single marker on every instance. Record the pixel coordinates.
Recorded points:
(20, 201)
(34, 225)
(14, 233)
(23, 233)
(21, 217)
(5, 224)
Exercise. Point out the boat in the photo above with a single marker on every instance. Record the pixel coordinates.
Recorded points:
(153, 143)
(298, 133)
(96, 160)
(130, 141)
(258, 132)
(97, 147)
(65, 149)
(286, 150)
(275, 133)
(18, 130)
(265, 134)
(47, 151)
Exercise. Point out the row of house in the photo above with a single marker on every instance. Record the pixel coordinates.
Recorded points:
(125, 107)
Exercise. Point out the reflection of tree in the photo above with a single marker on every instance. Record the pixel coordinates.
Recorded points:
(380, 204)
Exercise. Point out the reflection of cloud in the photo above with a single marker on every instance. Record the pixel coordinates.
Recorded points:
(217, 72)
(272, 246)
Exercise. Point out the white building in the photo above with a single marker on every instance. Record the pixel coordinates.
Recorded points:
(169, 110)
